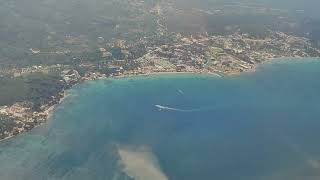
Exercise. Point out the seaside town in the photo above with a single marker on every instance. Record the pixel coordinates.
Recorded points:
(43, 85)
(219, 55)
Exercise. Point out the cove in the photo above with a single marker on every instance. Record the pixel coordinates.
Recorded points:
(263, 125)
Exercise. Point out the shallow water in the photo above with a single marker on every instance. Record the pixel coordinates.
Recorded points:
(263, 125)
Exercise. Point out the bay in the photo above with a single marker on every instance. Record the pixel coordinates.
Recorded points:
(262, 125)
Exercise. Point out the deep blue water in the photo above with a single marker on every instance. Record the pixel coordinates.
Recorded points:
(262, 125)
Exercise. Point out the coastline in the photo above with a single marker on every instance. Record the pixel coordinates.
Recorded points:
(49, 113)
(165, 73)
(51, 109)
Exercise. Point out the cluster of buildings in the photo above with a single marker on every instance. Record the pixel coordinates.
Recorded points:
(203, 53)
(18, 118)
(228, 54)
(224, 54)
(162, 51)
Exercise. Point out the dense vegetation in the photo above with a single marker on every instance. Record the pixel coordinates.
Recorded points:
(71, 32)
(255, 17)
(37, 87)
(58, 25)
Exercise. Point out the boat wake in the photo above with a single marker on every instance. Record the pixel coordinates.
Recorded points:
(166, 108)
(180, 92)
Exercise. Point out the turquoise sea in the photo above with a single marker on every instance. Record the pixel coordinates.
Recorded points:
(256, 126)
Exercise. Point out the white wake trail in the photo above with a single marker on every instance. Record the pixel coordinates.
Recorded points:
(160, 108)
(180, 92)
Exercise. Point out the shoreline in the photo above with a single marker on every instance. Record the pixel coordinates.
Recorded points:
(165, 73)
(49, 113)
(51, 109)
